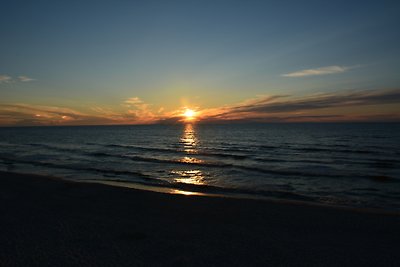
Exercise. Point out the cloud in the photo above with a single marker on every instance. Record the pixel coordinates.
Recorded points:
(5, 79)
(136, 112)
(285, 107)
(133, 101)
(23, 78)
(359, 98)
(375, 105)
(317, 71)
(139, 109)
(23, 114)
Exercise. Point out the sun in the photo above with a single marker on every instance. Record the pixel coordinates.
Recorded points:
(189, 114)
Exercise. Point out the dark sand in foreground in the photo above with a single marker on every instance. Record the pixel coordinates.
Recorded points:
(51, 222)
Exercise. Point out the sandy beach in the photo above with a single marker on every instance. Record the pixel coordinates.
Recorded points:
(52, 222)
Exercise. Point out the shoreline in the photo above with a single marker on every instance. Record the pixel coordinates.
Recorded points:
(51, 221)
(186, 191)
(238, 196)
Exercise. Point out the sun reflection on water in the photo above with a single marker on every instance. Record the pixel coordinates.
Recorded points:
(190, 160)
(189, 139)
(189, 177)
(189, 142)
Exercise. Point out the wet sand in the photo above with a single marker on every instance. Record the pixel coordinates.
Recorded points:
(51, 222)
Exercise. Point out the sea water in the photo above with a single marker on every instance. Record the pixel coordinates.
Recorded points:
(344, 164)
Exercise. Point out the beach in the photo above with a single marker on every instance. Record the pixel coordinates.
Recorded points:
(47, 221)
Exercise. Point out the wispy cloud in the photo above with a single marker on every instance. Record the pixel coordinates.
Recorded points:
(133, 101)
(134, 111)
(5, 78)
(284, 107)
(23, 114)
(339, 106)
(140, 110)
(317, 71)
(23, 78)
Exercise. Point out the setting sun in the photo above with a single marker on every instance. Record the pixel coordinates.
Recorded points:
(189, 114)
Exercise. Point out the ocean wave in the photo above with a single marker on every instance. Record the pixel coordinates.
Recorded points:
(220, 165)
(353, 151)
(201, 152)
(280, 172)
(212, 189)
(77, 168)
(55, 148)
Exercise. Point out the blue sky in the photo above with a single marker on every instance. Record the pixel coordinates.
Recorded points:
(205, 54)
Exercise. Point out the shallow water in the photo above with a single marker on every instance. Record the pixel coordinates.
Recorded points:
(354, 165)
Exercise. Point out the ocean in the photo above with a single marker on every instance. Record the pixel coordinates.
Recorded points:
(341, 164)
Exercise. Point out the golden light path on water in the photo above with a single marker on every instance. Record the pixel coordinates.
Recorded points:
(189, 142)
(193, 176)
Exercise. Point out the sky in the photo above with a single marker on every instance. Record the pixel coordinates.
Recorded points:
(138, 62)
